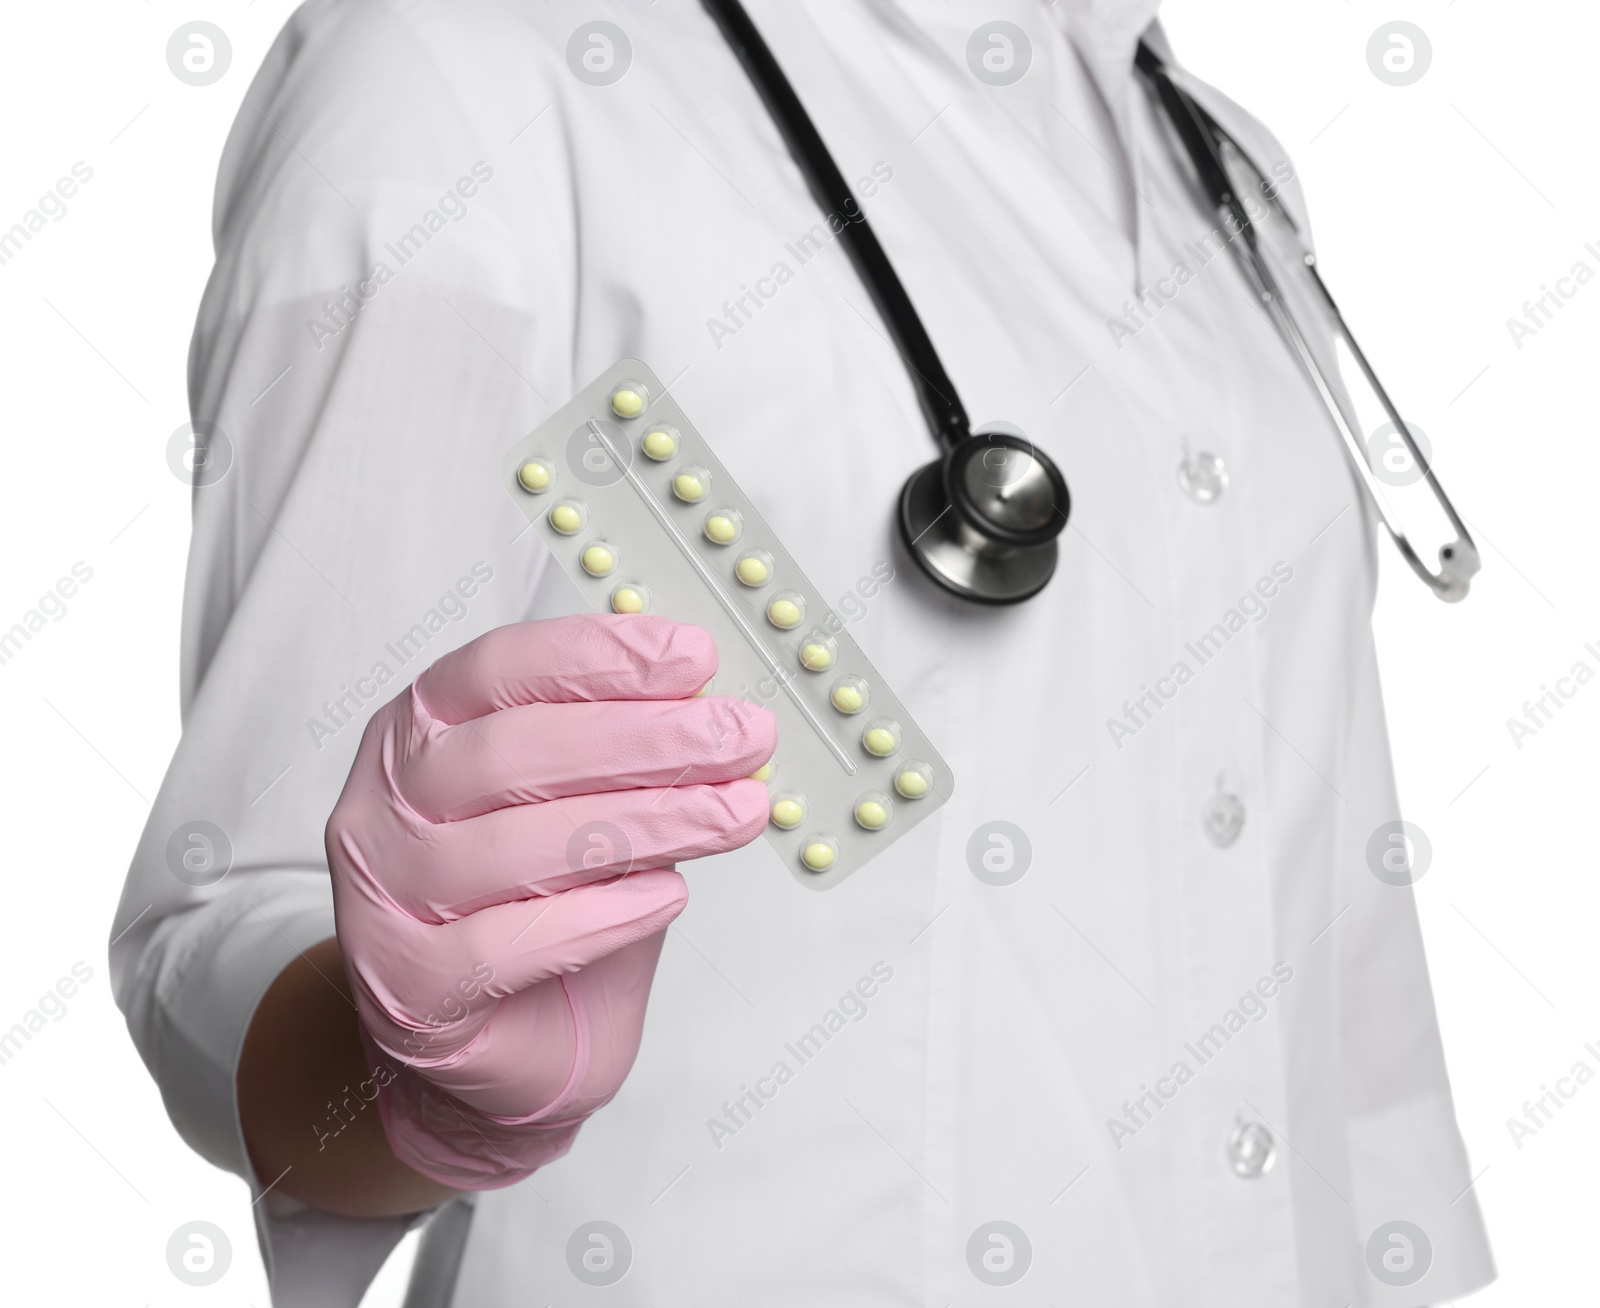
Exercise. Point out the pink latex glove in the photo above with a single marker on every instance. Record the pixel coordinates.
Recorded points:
(498, 933)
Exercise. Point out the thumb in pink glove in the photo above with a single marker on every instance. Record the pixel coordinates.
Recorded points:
(499, 943)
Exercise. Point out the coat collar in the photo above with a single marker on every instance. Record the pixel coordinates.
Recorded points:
(1105, 33)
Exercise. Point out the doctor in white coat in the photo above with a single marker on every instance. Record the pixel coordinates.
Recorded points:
(1132, 1021)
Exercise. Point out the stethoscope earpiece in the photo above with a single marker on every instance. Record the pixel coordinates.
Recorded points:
(982, 520)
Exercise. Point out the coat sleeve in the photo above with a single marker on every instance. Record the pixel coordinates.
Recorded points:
(1407, 1158)
(363, 356)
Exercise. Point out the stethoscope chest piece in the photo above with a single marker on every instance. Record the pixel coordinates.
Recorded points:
(982, 520)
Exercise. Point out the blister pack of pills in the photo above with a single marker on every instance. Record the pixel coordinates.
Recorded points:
(635, 506)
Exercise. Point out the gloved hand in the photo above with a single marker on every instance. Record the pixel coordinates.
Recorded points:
(502, 874)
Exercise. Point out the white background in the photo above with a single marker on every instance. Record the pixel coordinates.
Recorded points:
(1440, 208)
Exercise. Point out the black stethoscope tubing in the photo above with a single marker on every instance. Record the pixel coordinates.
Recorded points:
(935, 391)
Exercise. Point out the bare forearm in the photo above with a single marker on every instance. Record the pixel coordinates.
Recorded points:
(303, 1099)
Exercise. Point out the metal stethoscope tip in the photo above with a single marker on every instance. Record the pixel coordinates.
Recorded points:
(982, 520)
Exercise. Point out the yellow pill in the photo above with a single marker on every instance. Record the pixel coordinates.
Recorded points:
(686, 486)
(565, 519)
(721, 529)
(705, 689)
(763, 773)
(879, 741)
(753, 571)
(660, 444)
(598, 560)
(787, 813)
(818, 856)
(627, 402)
(911, 783)
(847, 699)
(627, 600)
(784, 613)
(534, 476)
(817, 657)
(872, 815)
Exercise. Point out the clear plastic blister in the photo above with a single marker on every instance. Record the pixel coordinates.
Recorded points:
(634, 504)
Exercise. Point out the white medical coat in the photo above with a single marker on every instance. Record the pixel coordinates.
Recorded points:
(429, 232)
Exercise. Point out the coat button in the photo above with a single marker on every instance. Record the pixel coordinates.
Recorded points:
(1203, 477)
(1251, 1150)
(1222, 818)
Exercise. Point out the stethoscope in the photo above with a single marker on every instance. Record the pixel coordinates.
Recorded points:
(982, 519)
